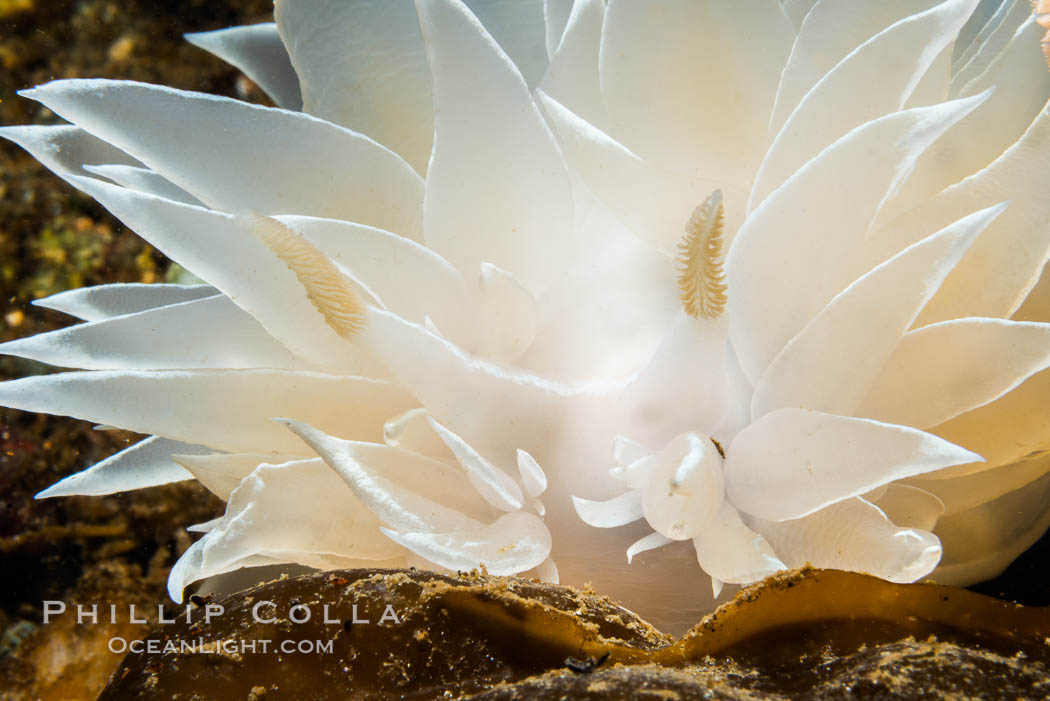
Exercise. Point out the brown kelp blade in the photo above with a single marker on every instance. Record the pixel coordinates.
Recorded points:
(845, 610)
(798, 634)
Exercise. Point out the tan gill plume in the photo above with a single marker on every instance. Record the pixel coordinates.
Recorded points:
(326, 288)
(701, 277)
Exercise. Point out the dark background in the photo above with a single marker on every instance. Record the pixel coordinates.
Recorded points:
(53, 238)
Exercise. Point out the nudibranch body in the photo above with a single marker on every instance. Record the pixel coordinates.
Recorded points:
(647, 294)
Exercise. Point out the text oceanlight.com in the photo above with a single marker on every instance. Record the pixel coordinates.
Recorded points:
(153, 646)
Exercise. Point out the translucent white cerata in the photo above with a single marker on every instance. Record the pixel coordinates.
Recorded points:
(661, 291)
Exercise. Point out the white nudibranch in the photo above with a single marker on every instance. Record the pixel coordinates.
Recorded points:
(463, 325)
